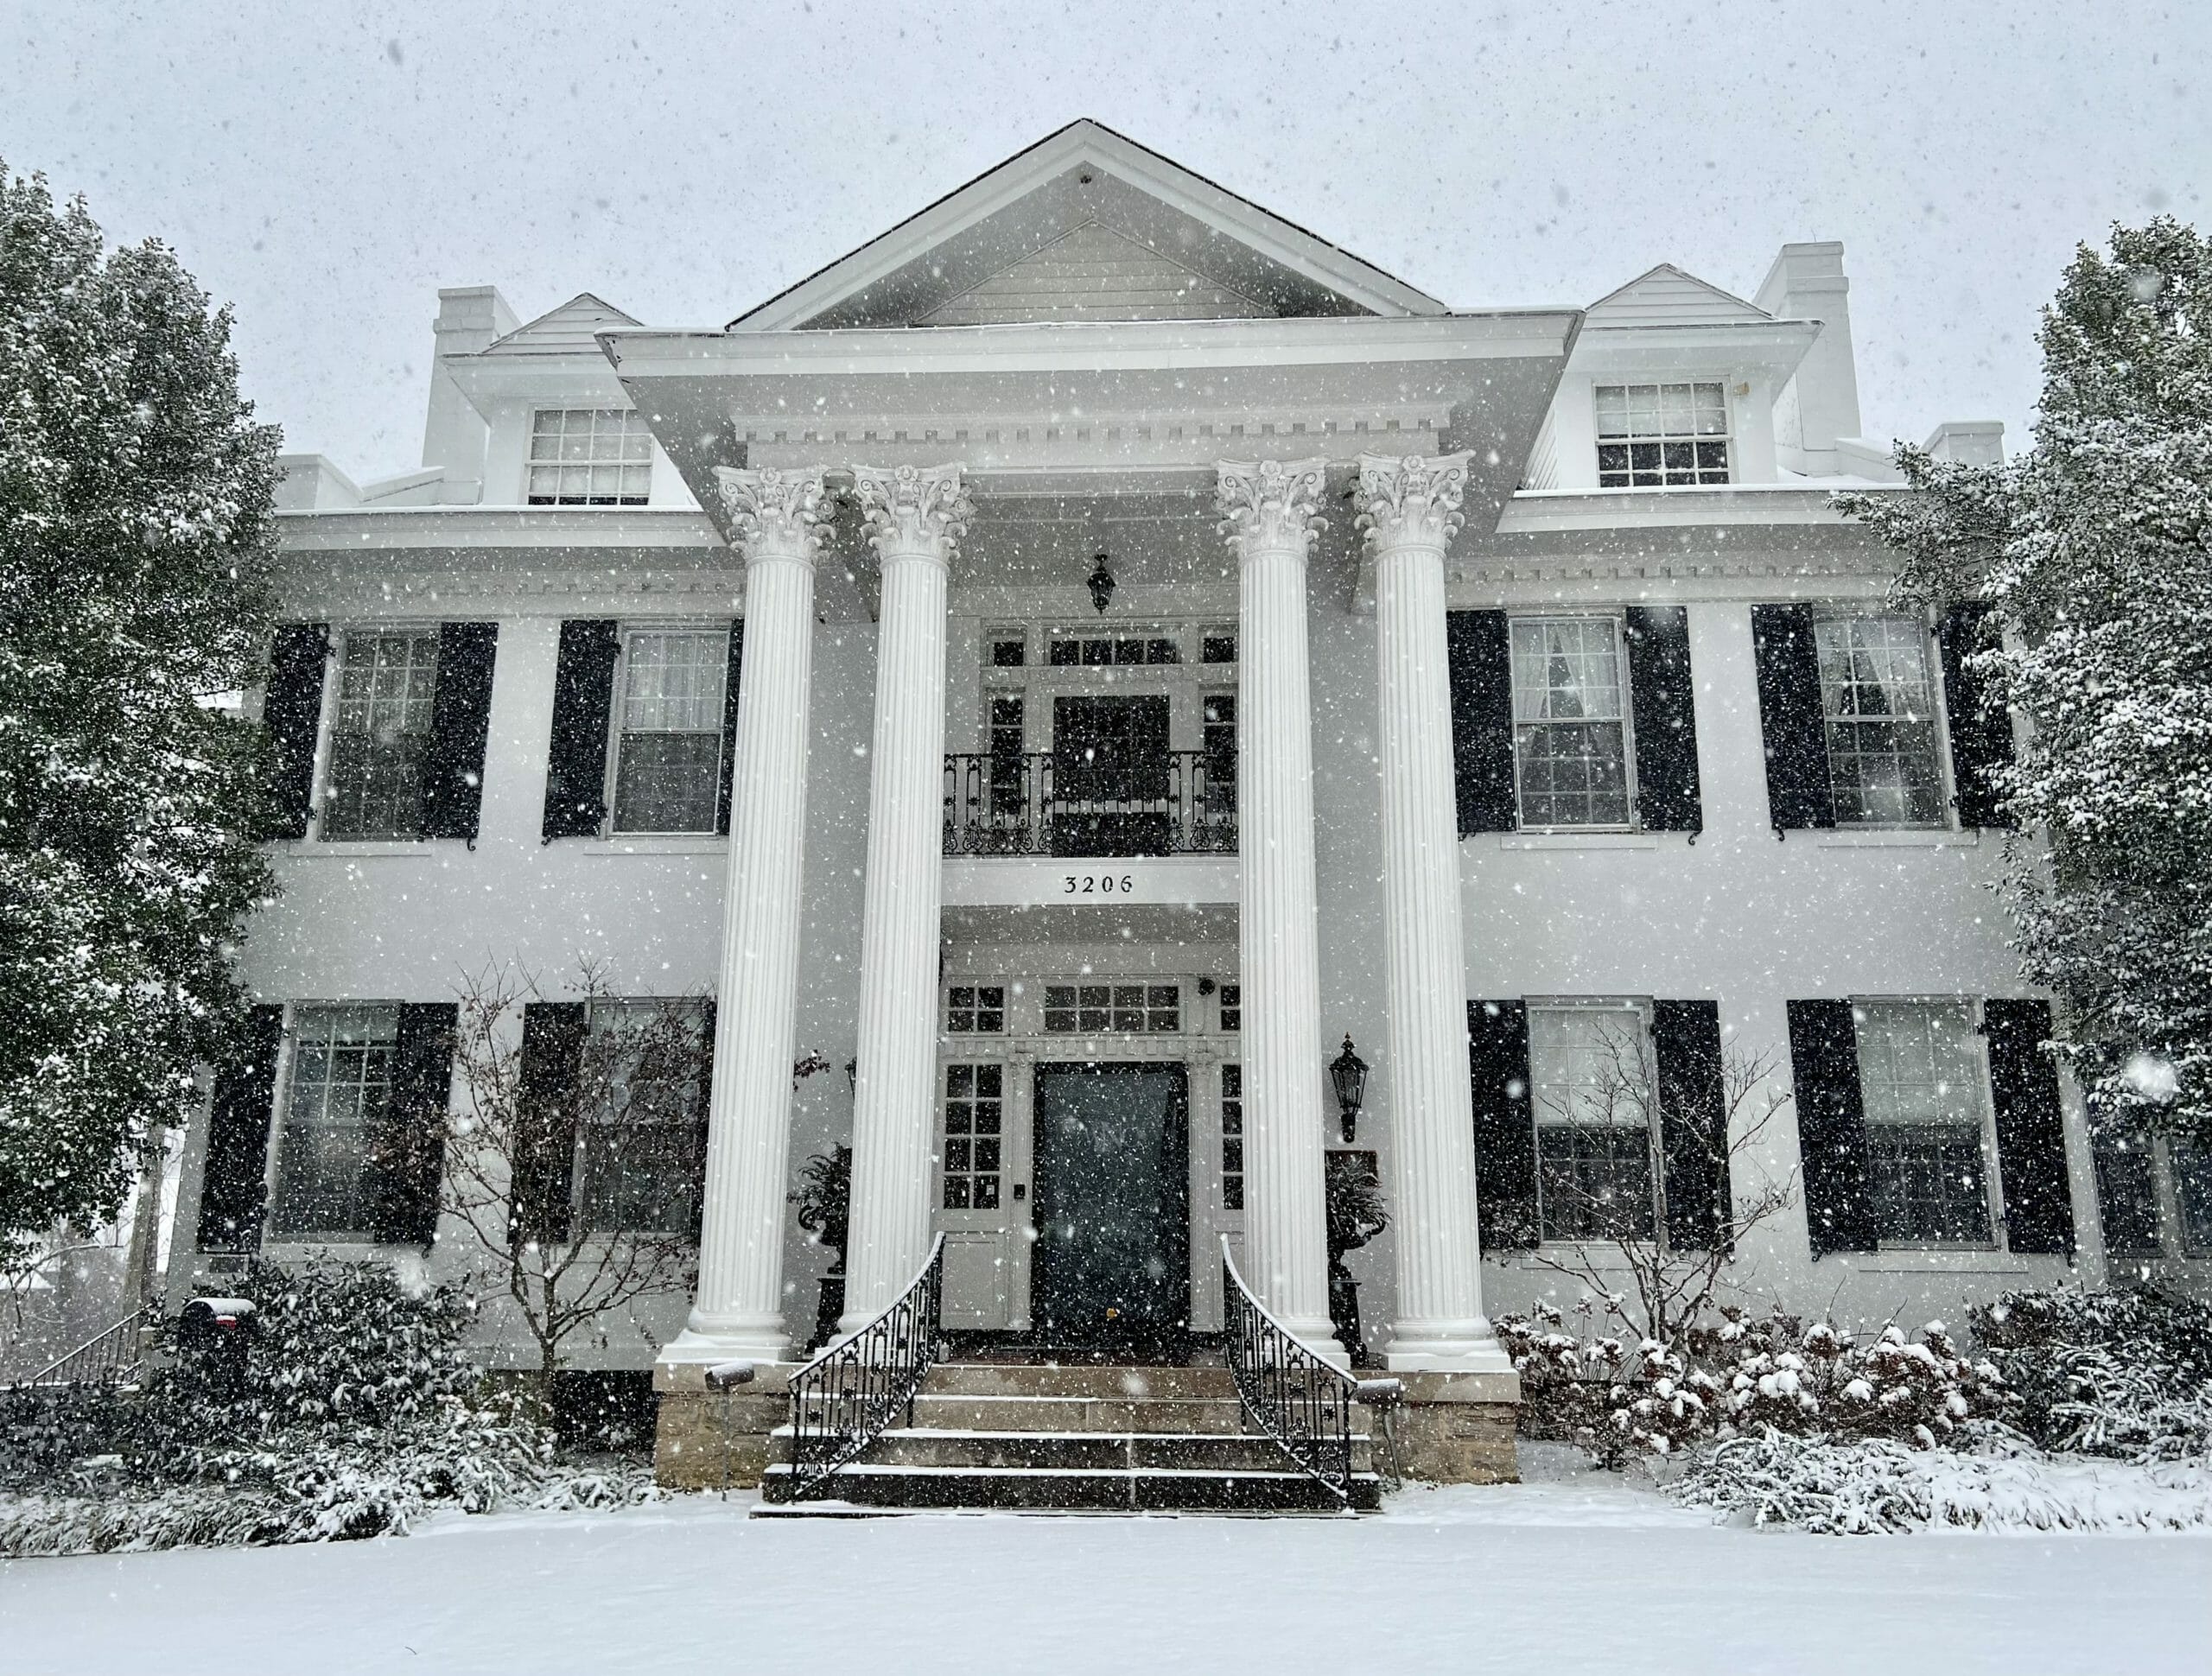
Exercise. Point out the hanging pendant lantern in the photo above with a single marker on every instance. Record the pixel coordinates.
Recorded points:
(1102, 584)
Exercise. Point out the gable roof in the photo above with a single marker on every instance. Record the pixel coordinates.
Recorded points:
(1094, 273)
(1668, 296)
(568, 330)
(1086, 175)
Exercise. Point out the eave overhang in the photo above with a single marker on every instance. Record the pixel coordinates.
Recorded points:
(1770, 349)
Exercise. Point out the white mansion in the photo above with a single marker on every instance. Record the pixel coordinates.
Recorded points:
(1083, 657)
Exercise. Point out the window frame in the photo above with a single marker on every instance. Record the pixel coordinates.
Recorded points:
(1618, 620)
(1727, 438)
(1635, 1009)
(1974, 1037)
(626, 632)
(972, 1173)
(1947, 799)
(531, 464)
(342, 635)
(286, 1082)
(580, 1160)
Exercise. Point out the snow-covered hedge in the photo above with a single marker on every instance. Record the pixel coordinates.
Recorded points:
(2121, 1373)
(358, 1414)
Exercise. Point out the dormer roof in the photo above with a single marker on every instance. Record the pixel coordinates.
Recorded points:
(568, 330)
(1666, 295)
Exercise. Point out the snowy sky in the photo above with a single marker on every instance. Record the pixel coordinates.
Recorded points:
(326, 168)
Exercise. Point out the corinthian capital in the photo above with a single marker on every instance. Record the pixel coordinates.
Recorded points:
(773, 514)
(1411, 501)
(913, 508)
(1271, 504)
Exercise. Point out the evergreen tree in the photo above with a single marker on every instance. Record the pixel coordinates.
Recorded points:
(135, 538)
(2093, 552)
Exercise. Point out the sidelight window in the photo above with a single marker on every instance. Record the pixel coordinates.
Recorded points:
(1570, 721)
(975, 1125)
(1232, 1137)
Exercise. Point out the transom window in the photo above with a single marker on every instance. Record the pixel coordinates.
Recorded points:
(340, 1088)
(590, 457)
(1128, 1009)
(380, 733)
(1218, 645)
(974, 1113)
(1921, 1083)
(1570, 721)
(1093, 649)
(668, 748)
(1589, 1069)
(975, 1009)
(1877, 696)
(1661, 436)
(644, 1129)
(1009, 648)
(1232, 1007)
(1232, 1137)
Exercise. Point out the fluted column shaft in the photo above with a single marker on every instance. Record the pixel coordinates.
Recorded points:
(1409, 508)
(739, 1309)
(915, 517)
(1268, 513)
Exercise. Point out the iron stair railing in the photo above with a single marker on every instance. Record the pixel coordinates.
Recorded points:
(110, 1357)
(850, 1394)
(1287, 1389)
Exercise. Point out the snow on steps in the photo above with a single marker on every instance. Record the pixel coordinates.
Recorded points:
(1074, 1437)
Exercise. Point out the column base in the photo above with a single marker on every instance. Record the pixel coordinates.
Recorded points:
(708, 1439)
(1445, 1347)
(704, 1344)
(1458, 1428)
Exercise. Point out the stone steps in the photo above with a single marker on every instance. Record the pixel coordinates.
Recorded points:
(1063, 1489)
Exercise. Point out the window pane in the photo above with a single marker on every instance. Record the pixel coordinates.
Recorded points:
(1646, 435)
(669, 750)
(1570, 737)
(1590, 1076)
(340, 1086)
(605, 454)
(1878, 695)
(1921, 1087)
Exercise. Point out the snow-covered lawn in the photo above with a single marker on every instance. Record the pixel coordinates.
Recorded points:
(1555, 1577)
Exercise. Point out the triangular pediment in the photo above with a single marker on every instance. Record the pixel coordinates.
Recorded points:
(1668, 296)
(568, 330)
(1066, 218)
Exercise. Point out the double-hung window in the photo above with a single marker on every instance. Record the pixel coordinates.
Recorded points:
(1570, 722)
(590, 457)
(1920, 1078)
(380, 733)
(339, 1089)
(1589, 1069)
(668, 747)
(1878, 704)
(1661, 436)
(643, 1129)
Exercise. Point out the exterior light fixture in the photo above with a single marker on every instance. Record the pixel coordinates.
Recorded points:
(1349, 1072)
(1102, 584)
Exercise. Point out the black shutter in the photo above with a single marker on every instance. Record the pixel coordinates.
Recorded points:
(584, 698)
(1692, 1120)
(1982, 732)
(1669, 797)
(1505, 1134)
(2030, 1135)
(233, 1183)
(1481, 674)
(460, 724)
(407, 1149)
(545, 1138)
(729, 722)
(1832, 1146)
(291, 710)
(1798, 792)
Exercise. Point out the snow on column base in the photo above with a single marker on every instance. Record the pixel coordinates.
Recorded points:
(1458, 1428)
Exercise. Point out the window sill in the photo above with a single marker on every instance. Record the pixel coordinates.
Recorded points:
(1578, 840)
(352, 847)
(658, 843)
(1897, 838)
(1934, 1262)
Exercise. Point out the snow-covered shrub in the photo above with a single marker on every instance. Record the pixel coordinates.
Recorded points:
(1992, 1482)
(2123, 1373)
(1740, 1374)
(358, 1414)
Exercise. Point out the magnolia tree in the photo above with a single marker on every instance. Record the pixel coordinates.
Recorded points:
(135, 538)
(2093, 557)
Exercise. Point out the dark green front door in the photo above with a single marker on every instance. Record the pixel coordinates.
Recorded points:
(1112, 1262)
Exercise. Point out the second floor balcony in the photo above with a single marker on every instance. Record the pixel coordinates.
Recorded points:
(1089, 801)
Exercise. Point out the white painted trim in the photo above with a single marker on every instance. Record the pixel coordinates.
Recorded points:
(1040, 881)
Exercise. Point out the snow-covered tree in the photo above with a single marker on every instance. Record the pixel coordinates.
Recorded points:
(2094, 555)
(135, 495)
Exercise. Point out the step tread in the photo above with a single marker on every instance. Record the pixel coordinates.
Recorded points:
(877, 1469)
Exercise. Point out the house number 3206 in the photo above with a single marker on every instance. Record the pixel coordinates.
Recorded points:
(1096, 884)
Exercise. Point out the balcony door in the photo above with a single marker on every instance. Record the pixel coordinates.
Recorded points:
(1111, 768)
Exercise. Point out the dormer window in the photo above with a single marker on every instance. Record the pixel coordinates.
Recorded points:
(1661, 436)
(590, 457)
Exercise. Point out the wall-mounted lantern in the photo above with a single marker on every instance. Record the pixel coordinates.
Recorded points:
(1101, 585)
(1349, 1072)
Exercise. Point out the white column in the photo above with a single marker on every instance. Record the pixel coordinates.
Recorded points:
(1409, 510)
(915, 517)
(1269, 517)
(776, 518)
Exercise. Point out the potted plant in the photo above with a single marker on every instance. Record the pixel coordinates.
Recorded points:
(1354, 1197)
(824, 1198)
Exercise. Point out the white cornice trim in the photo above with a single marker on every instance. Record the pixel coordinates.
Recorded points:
(358, 529)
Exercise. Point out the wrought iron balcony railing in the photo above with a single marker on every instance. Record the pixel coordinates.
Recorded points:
(1046, 803)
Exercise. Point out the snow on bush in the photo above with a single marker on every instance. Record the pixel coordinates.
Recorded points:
(2124, 1374)
(358, 1414)
(1863, 1486)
